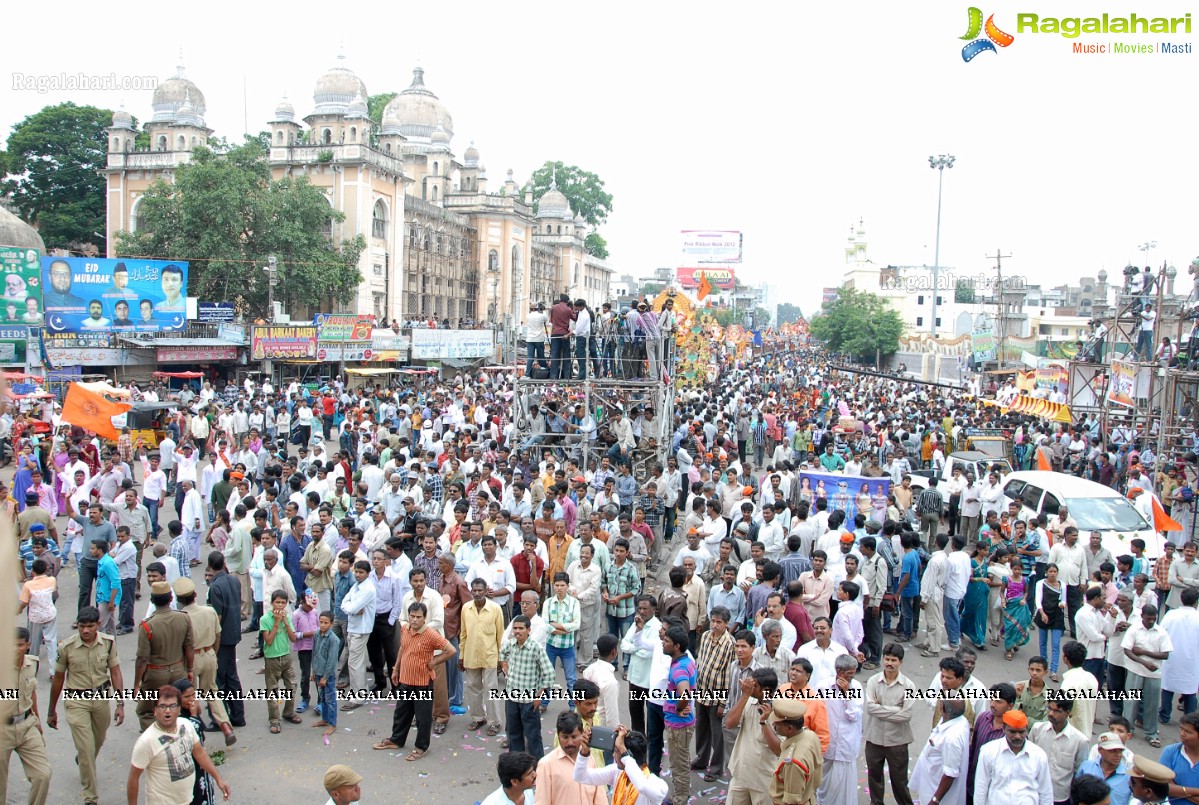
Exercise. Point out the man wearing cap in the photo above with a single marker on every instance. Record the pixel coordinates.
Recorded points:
(21, 729)
(1149, 781)
(89, 667)
(206, 639)
(164, 649)
(800, 769)
(343, 785)
(1110, 767)
(1013, 771)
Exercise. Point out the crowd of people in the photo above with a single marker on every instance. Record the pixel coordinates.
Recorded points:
(412, 542)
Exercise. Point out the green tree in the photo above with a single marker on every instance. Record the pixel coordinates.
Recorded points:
(375, 105)
(787, 313)
(963, 292)
(596, 245)
(583, 189)
(859, 324)
(226, 215)
(53, 173)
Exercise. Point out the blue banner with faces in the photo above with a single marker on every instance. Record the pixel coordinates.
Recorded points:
(84, 294)
(847, 493)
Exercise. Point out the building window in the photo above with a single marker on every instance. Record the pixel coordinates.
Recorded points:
(279, 137)
(353, 134)
(182, 143)
(162, 142)
(379, 220)
(938, 321)
(939, 302)
(436, 169)
(434, 195)
(919, 321)
(1044, 329)
(1065, 331)
(326, 136)
(920, 299)
(493, 260)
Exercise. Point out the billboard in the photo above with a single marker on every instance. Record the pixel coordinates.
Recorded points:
(296, 343)
(983, 346)
(343, 327)
(217, 312)
(847, 493)
(433, 345)
(1123, 388)
(722, 279)
(84, 294)
(711, 246)
(22, 286)
(13, 341)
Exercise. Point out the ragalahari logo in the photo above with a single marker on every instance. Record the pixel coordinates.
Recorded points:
(993, 37)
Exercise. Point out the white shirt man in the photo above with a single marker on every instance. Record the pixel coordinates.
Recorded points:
(947, 753)
(1012, 778)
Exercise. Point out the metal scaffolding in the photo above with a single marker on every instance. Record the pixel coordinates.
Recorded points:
(600, 397)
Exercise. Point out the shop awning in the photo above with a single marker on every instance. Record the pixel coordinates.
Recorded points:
(1043, 409)
(180, 375)
(369, 372)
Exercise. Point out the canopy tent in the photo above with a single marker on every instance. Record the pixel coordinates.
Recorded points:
(1043, 409)
(21, 376)
(180, 375)
(371, 372)
(417, 371)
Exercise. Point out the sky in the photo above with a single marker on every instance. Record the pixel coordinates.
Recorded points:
(788, 124)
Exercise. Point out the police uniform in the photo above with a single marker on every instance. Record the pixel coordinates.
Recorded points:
(88, 671)
(163, 642)
(19, 731)
(205, 634)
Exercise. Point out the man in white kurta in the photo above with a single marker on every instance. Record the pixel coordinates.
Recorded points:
(945, 754)
(1180, 671)
(194, 517)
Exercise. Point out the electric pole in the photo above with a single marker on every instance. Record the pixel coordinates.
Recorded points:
(1001, 318)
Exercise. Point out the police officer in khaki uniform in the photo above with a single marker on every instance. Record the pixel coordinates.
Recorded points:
(164, 650)
(207, 638)
(20, 729)
(90, 669)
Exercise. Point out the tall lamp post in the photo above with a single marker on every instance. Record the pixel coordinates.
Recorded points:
(493, 273)
(939, 164)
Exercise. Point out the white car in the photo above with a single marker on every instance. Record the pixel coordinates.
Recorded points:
(1093, 506)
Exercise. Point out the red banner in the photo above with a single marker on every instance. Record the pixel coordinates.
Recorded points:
(722, 279)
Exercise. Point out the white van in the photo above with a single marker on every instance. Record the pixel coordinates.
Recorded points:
(1093, 506)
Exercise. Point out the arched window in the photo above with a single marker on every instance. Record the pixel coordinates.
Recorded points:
(493, 260)
(133, 215)
(388, 148)
(279, 137)
(516, 261)
(162, 142)
(353, 134)
(436, 168)
(326, 136)
(379, 220)
(182, 143)
(559, 229)
(116, 144)
(434, 194)
(576, 281)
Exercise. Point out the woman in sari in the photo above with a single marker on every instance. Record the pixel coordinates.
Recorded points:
(218, 534)
(23, 479)
(974, 615)
(999, 573)
(1016, 619)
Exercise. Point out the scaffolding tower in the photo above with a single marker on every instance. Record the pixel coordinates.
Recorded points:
(601, 397)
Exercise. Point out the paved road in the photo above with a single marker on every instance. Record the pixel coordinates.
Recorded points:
(289, 767)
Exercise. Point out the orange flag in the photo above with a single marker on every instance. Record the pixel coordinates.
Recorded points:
(1163, 521)
(1043, 461)
(705, 287)
(92, 411)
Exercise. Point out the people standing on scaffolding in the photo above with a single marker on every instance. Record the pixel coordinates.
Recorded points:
(1144, 348)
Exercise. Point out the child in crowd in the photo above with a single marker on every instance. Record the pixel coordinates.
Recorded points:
(325, 649)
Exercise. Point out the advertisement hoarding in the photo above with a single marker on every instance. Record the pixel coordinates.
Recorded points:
(196, 354)
(346, 328)
(983, 346)
(1123, 388)
(849, 494)
(296, 343)
(22, 286)
(85, 293)
(14, 339)
(723, 279)
(711, 246)
(433, 345)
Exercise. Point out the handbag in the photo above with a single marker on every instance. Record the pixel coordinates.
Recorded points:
(890, 602)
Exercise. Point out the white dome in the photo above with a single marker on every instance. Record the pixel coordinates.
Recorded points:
(169, 95)
(418, 110)
(440, 139)
(15, 232)
(358, 108)
(187, 115)
(554, 205)
(284, 112)
(122, 119)
(337, 89)
(470, 159)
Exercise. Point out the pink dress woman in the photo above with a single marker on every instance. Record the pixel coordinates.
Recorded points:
(61, 459)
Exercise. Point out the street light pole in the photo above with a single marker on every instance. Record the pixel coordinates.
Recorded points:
(272, 266)
(938, 163)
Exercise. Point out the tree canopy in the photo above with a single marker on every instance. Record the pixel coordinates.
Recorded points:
(52, 169)
(858, 323)
(788, 313)
(963, 292)
(375, 105)
(226, 215)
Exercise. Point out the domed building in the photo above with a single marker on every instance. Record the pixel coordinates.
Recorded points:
(440, 244)
(15, 232)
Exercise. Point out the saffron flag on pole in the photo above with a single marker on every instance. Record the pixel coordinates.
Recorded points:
(1043, 462)
(1163, 521)
(705, 287)
(92, 411)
